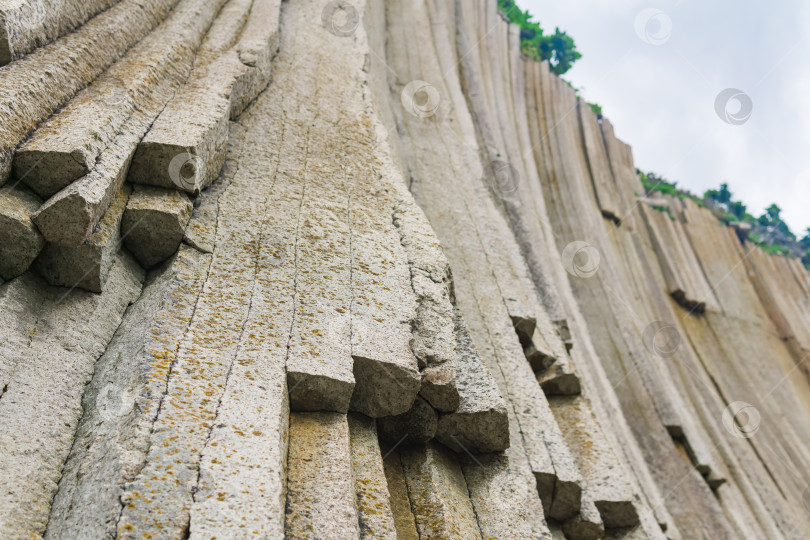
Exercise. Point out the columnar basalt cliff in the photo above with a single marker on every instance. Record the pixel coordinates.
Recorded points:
(359, 269)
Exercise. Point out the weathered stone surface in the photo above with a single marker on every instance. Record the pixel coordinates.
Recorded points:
(49, 77)
(44, 376)
(434, 339)
(685, 279)
(201, 229)
(186, 146)
(373, 494)
(25, 26)
(154, 223)
(256, 48)
(385, 368)
(20, 241)
(320, 486)
(439, 386)
(438, 493)
(229, 373)
(560, 379)
(603, 184)
(504, 505)
(538, 353)
(404, 520)
(86, 265)
(468, 226)
(307, 258)
(66, 147)
(127, 388)
(20, 304)
(480, 423)
(319, 366)
(418, 425)
(70, 217)
(604, 477)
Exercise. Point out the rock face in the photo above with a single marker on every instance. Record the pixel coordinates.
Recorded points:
(359, 269)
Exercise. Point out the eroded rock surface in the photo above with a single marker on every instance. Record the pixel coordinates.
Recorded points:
(360, 269)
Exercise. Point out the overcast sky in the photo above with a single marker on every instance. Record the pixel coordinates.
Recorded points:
(657, 70)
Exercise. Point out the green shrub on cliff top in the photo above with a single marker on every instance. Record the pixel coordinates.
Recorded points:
(558, 48)
(768, 231)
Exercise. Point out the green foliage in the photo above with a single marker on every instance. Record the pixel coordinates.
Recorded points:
(597, 109)
(722, 195)
(737, 209)
(558, 48)
(560, 51)
(655, 183)
(768, 230)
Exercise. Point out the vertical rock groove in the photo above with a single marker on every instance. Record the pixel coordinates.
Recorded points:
(360, 269)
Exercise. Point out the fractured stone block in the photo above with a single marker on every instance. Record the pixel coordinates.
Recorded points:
(320, 482)
(604, 476)
(385, 369)
(433, 342)
(418, 425)
(587, 524)
(370, 484)
(70, 216)
(439, 386)
(154, 223)
(67, 146)
(85, 266)
(438, 492)
(186, 146)
(319, 366)
(20, 241)
(560, 379)
(480, 424)
(538, 352)
(24, 26)
(49, 77)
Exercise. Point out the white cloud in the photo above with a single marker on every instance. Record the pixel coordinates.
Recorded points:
(660, 98)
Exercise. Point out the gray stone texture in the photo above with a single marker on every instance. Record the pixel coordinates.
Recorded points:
(24, 26)
(154, 223)
(86, 265)
(480, 423)
(438, 494)
(20, 240)
(366, 328)
(320, 484)
(47, 78)
(44, 376)
(370, 484)
(67, 146)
